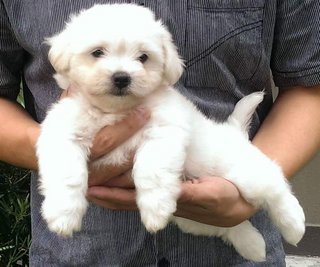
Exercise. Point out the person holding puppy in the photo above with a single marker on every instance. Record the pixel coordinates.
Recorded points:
(233, 60)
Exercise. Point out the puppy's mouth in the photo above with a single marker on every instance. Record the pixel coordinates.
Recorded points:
(115, 91)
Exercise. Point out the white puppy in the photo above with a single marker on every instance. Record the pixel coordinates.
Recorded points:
(119, 57)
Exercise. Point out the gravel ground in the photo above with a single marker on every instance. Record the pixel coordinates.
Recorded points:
(299, 261)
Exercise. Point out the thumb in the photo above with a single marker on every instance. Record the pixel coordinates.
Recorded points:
(189, 191)
(195, 190)
(111, 136)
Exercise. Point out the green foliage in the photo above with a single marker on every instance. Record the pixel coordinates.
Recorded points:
(15, 237)
(20, 98)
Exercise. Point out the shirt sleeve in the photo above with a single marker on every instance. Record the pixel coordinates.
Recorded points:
(295, 57)
(11, 58)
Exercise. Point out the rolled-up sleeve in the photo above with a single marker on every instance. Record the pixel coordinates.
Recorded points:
(11, 58)
(296, 49)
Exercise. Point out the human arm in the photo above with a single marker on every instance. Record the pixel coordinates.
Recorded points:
(291, 132)
(18, 135)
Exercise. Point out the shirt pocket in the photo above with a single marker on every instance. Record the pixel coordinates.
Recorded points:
(223, 40)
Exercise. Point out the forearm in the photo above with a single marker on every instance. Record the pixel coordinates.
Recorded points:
(290, 135)
(18, 134)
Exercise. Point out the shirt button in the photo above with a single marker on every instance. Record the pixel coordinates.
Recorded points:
(163, 263)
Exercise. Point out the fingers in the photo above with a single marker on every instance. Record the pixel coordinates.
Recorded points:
(112, 197)
(68, 92)
(189, 200)
(213, 200)
(194, 190)
(186, 192)
(110, 174)
(64, 94)
(124, 181)
(111, 137)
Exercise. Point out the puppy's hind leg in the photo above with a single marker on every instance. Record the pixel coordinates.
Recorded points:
(283, 207)
(263, 184)
(287, 214)
(247, 241)
(245, 238)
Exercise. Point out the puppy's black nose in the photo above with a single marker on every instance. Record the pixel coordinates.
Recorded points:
(121, 79)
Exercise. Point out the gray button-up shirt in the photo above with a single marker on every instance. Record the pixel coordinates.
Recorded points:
(229, 47)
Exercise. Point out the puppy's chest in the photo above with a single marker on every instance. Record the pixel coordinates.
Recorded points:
(86, 133)
(89, 123)
(124, 152)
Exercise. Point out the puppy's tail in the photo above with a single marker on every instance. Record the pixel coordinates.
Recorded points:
(244, 109)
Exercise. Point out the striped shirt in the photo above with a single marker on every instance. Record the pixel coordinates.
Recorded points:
(229, 48)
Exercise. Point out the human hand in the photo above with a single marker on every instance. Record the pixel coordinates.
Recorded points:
(209, 200)
(108, 180)
(214, 201)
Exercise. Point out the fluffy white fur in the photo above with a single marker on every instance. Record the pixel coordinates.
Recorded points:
(178, 140)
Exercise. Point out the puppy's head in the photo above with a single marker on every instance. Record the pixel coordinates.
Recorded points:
(116, 55)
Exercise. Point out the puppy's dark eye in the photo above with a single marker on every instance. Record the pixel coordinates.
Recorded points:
(97, 53)
(143, 58)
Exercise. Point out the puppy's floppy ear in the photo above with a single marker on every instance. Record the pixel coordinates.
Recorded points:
(173, 65)
(59, 55)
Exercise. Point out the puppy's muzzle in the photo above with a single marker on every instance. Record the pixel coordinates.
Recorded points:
(121, 81)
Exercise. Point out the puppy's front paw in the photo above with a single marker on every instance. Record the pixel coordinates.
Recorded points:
(65, 225)
(153, 221)
(155, 212)
(64, 218)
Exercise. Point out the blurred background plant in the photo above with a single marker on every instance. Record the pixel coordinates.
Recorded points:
(15, 237)
(15, 233)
